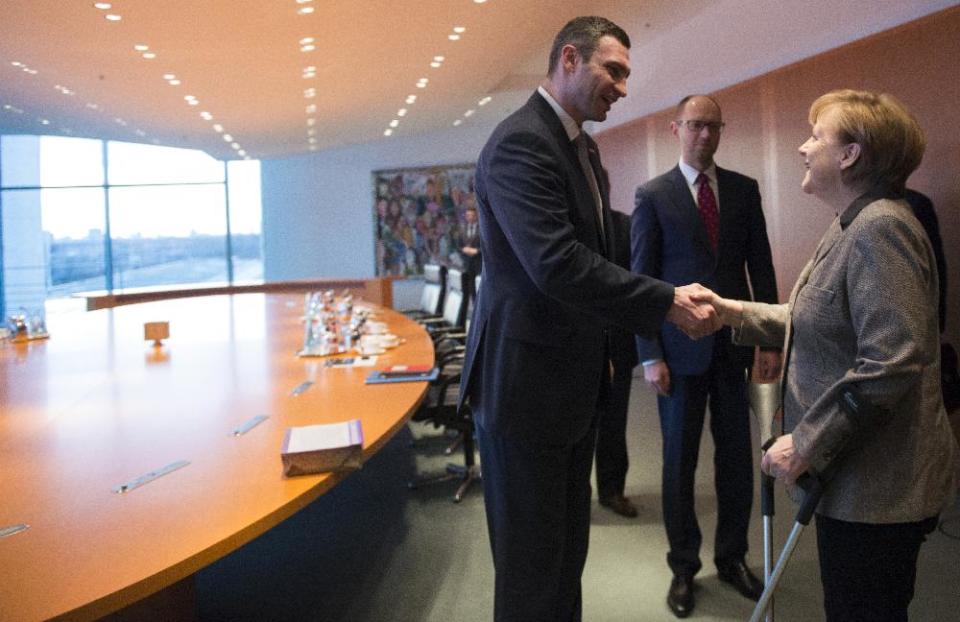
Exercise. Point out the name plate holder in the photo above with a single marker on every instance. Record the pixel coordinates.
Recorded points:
(13, 529)
(303, 386)
(248, 425)
(146, 478)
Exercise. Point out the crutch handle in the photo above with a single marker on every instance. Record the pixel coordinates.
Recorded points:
(766, 494)
(813, 489)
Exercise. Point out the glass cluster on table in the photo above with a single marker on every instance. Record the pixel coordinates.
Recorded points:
(331, 324)
(24, 326)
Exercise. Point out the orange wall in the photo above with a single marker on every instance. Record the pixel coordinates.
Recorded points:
(766, 121)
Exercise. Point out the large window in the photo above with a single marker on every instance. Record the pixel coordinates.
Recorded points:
(80, 215)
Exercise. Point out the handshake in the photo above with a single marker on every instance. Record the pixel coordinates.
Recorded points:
(699, 312)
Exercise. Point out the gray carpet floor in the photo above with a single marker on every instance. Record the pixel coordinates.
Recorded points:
(372, 550)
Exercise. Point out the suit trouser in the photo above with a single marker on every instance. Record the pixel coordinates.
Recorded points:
(537, 501)
(681, 423)
(611, 454)
(868, 571)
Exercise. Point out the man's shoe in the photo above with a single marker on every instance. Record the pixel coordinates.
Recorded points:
(680, 596)
(739, 576)
(619, 504)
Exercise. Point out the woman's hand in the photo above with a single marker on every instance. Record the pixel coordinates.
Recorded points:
(729, 311)
(782, 460)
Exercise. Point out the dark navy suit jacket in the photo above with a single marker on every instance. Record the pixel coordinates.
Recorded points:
(537, 345)
(669, 242)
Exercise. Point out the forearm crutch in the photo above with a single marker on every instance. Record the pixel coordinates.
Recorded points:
(812, 491)
(765, 404)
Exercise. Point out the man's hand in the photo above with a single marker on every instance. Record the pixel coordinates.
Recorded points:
(469, 250)
(768, 364)
(657, 376)
(696, 319)
(783, 462)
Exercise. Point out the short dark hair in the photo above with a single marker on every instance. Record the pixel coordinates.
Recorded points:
(683, 102)
(584, 33)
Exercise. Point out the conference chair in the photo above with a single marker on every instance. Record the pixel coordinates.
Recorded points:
(455, 305)
(440, 409)
(432, 294)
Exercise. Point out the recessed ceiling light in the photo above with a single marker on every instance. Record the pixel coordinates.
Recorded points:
(189, 98)
(308, 48)
(93, 106)
(311, 108)
(459, 30)
(435, 64)
(388, 132)
(457, 122)
(113, 18)
(217, 128)
(394, 123)
(141, 47)
(469, 113)
(312, 140)
(486, 100)
(235, 145)
(169, 76)
(411, 98)
(140, 133)
(44, 121)
(439, 59)
(174, 82)
(306, 40)
(311, 121)
(311, 92)
(453, 37)
(227, 138)
(402, 112)
(149, 55)
(312, 131)
(206, 116)
(479, 1)
(307, 10)
(304, 1)
(242, 153)
(103, 6)
(421, 85)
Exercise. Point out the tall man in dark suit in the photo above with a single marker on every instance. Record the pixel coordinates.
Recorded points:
(535, 360)
(699, 222)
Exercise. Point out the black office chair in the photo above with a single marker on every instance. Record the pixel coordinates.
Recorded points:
(432, 295)
(440, 409)
(455, 305)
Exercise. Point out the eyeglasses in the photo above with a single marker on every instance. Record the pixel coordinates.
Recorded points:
(697, 126)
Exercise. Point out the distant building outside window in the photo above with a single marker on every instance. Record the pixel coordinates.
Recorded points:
(80, 215)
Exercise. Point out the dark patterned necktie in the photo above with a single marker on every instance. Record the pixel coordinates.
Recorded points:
(580, 142)
(707, 204)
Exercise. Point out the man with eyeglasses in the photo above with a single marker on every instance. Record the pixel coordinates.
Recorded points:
(701, 223)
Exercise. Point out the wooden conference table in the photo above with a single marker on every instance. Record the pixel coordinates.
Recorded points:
(96, 406)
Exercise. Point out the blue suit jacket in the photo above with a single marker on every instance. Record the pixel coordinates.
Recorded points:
(537, 345)
(669, 242)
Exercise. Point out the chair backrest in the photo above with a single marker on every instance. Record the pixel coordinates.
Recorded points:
(455, 305)
(434, 281)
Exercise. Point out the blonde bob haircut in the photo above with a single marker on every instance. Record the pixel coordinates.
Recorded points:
(890, 139)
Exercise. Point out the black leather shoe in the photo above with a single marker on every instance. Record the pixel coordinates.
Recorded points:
(739, 576)
(680, 596)
(620, 505)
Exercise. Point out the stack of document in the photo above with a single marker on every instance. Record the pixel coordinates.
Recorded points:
(322, 448)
